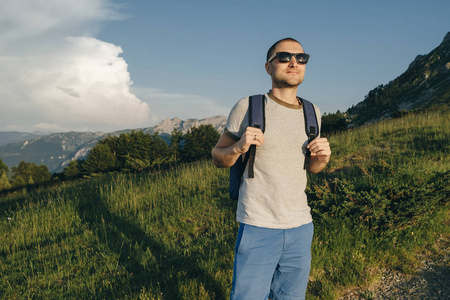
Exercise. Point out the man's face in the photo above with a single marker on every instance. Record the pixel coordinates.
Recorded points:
(289, 74)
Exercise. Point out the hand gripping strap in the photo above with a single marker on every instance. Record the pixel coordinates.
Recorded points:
(311, 128)
(256, 119)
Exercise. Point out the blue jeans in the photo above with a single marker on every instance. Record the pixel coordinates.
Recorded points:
(271, 263)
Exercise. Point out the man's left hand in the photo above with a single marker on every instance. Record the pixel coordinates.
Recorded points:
(320, 154)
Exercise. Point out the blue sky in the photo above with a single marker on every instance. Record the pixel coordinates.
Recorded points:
(108, 65)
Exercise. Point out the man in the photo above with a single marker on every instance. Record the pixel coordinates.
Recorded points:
(273, 247)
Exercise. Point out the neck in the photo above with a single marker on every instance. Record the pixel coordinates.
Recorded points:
(286, 95)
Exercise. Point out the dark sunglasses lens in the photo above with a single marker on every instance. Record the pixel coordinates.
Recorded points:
(284, 56)
(302, 58)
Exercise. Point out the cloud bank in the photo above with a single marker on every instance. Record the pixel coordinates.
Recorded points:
(55, 76)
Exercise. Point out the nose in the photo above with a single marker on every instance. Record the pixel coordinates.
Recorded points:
(293, 62)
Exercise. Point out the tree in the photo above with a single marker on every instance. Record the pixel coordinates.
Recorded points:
(4, 181)
(332, 123)
(18, 181)
(111, 142)
(175, 144)
(138, 150)
(72, 170)
(159, 150)
(100, 159)
(3, 167)
(198, 142)
(129, 151)
(29, 173)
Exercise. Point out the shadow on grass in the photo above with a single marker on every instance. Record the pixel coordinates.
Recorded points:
(123, 237)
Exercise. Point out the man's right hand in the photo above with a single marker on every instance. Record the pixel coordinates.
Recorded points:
(227, 150)
(251, 136)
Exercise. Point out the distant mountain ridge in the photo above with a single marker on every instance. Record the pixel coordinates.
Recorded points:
(9, 137)
(58, 149)
(165, 127)
(425, 84)
(50, 150)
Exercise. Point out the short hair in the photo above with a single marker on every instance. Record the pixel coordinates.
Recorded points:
(272, 49)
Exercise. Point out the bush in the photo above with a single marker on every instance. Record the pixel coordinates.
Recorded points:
(199, 142)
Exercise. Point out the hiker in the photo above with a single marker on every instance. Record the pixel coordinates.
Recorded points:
(273, 248)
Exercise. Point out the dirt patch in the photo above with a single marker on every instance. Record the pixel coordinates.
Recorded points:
(431, 281)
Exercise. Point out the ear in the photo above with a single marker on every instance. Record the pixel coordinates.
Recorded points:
(268, 68)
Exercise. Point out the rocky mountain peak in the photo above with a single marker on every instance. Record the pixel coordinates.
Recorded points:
(446, 38)
(425, 84)
(168, 125)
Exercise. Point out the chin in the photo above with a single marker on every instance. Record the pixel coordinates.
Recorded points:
(288, 84)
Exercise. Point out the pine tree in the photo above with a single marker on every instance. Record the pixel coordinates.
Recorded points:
(4, 181)
(175, 144)
(100, 159)
(72, 170)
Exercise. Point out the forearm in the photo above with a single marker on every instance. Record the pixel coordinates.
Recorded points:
(225, 157)
(316, 165)
(228, 150)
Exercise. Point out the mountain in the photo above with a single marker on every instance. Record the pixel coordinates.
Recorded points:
(425, 84)
(8, 137)
(165, 127)
(58, 149)
(50, 150)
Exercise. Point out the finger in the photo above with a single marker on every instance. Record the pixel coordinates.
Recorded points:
(251, 137)
(257, 140)
(318, 145)
(252, 130)
(323, 152)
(318, 141)
(254, 134)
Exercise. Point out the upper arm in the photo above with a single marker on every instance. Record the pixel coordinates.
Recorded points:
(225, 141)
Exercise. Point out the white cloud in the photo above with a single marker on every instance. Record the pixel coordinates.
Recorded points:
(184, 106)
(52, 77)
(30, 19)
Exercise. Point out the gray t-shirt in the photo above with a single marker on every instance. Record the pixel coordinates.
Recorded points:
(275, 197)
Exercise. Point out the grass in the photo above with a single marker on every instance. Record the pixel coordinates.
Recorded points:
(381, 203)
(152, 236)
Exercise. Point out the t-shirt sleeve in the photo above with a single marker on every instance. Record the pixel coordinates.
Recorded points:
(237, 120)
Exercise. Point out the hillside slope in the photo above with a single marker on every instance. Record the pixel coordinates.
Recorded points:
(426, 83)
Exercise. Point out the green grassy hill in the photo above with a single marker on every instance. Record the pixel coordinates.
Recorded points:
(382, 201)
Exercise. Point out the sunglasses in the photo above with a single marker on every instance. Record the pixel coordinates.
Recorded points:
(284, 57)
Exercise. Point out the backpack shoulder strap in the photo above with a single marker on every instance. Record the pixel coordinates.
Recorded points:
(256, 118)
(311, 127)
(256, 112)
(311, 124)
